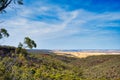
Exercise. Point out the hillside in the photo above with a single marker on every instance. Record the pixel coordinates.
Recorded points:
(58, 67)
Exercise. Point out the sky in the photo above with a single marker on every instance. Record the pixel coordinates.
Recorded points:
(64, 24)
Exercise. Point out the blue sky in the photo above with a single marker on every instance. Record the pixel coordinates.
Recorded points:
(64, 24)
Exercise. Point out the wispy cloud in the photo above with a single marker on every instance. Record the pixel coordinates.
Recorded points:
(46, 22)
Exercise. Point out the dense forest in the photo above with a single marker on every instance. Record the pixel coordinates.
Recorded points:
(53, 67)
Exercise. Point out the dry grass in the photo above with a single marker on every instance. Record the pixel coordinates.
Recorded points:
(82, 54)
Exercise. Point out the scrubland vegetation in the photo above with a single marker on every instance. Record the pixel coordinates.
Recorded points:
(54, 67)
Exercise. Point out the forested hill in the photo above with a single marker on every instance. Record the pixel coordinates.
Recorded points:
(6, 50)
(55, 67)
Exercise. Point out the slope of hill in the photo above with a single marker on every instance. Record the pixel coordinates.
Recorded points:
(58, 67)
(97, 67)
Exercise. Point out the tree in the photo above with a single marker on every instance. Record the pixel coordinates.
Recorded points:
(28, 43)
(3, 33)
(5, 3)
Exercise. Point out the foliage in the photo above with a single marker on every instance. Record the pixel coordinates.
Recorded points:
(3, 33)
(105, 67)
(27, 43)
(54, 67)
(36, 67)
(5, 3)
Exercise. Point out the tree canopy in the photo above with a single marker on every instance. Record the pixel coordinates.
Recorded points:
(3, 33)
(29, 42)
(5, 3)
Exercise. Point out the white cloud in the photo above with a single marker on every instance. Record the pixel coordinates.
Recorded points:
(71, 22)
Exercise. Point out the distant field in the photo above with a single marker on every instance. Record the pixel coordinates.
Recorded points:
(77, 53)
(84, 54)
